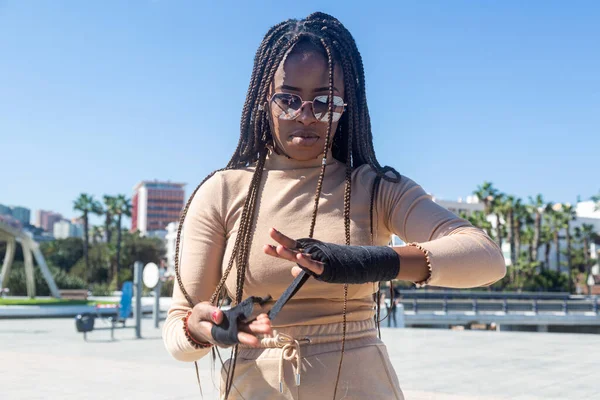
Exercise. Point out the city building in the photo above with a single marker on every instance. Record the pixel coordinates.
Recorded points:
(47, 219)
(11, 221)
(155, 204)
(588, 209)
(65, 229)
(5, 210)
(22, 214)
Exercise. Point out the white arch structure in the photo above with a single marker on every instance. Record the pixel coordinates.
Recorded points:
(31, 249)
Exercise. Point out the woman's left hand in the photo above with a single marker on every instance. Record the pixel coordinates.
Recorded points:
(335, 263)
(287, 249)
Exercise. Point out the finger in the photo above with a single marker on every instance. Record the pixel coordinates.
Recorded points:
(296, 271)
(283, 239)
(270, 250)
(286, 253)
(205, 329)
(308, 263)
(207, 312)
(248, 339)
(256, 328)
(261, 326)
(262, 321)
(263, 317)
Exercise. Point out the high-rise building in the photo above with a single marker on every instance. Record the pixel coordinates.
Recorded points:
(22, 214)
(10, 220)
(18, 213)
(155, 204)
(64, 229)
(47, 219)
(5, 210)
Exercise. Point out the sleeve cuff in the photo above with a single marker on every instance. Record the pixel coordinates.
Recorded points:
(176, 342)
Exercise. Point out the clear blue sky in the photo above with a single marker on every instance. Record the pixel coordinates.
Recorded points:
(98, 95)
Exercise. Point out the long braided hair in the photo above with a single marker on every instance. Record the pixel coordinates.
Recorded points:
(353, 143)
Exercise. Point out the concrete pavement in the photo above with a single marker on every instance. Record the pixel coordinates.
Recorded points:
(47, 359)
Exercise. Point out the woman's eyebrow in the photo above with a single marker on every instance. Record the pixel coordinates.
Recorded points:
(295, 89)
(292, 88)
(324, 89)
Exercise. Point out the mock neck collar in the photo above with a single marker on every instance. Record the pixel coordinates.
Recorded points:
(276, 161)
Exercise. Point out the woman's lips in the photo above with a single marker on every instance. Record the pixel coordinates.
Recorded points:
(305, 139)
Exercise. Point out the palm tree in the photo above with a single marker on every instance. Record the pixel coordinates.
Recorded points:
(523, 224)
(588, 235)
(508, 209)
(96, 233)
(546, 236)
(497, 208)
(86, 204)
(568, 215)
(519, 231)
(528, 235)
(596, 199)
(109, 212)
(486, 193)
(478, 219)
(122, 207)
(555, 221)
(536, 205)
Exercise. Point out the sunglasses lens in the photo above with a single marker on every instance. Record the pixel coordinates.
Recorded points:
(287, 104)
(321, 107)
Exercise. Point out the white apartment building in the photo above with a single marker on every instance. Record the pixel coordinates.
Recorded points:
(65, 229)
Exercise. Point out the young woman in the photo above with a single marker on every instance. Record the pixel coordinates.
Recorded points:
(304, 193)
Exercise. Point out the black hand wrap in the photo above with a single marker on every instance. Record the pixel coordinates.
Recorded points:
(226, 333)
(351, 264)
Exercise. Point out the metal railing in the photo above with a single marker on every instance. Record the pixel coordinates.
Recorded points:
(506, 305)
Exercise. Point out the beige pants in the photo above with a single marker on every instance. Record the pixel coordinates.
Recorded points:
(301, 362)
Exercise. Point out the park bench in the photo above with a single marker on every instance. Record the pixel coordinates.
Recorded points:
(74, 294)
(84, 323)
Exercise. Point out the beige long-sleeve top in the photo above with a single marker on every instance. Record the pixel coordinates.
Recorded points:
(460, 255)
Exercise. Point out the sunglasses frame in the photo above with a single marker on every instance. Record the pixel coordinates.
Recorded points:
(312, 107)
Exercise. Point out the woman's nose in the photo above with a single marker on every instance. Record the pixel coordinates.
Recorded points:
(306, 116)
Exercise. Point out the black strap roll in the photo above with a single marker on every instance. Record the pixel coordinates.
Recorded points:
(351, 264)
(226, 333)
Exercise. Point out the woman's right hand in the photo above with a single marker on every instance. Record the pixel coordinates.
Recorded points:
(205, 315)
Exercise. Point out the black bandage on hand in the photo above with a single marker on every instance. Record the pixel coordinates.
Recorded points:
(226, 333)
(351, 264)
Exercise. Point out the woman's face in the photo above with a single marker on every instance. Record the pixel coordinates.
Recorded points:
(304, 74)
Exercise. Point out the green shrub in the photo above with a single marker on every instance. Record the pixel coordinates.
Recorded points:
(18, 287)
(101, 289)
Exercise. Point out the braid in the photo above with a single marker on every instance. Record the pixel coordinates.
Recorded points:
(347, 201)
(327, 140)
(353, 143)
